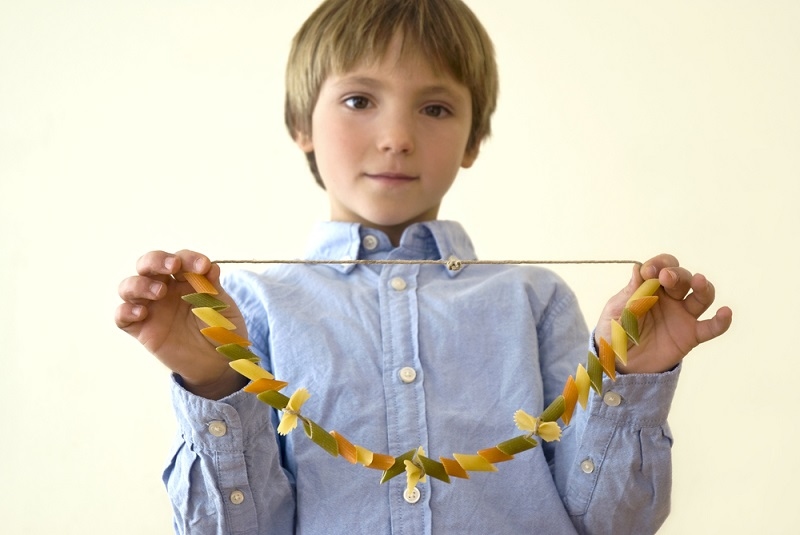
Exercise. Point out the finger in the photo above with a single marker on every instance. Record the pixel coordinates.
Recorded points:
(140, 290)
(676, 281)
(193, 262)
(157, 263)
(702, 296)
(711, 328)
(651, 268)
(128, 314)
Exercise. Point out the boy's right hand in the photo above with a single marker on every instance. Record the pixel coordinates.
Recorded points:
(154, 313)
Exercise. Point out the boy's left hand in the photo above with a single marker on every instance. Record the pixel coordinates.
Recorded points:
(671, 328)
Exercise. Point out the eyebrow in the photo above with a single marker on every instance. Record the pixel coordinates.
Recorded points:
(427, 91)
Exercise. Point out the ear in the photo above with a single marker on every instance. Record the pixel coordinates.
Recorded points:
(304, 141)
(470, 156)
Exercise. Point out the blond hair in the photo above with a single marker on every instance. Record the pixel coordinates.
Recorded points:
(340, 34)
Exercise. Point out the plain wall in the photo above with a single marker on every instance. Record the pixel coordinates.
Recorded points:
(625, 129)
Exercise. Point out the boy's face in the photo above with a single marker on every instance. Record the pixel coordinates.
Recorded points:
(389, 138)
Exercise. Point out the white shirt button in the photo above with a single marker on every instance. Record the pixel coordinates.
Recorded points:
(237, 497)
(587, 466)
(413, 496)
(407, 374)
(398, 284)
(370, 242)
(217, 428)
(612, 399)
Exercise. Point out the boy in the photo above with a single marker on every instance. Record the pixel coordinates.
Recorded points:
(389, 99)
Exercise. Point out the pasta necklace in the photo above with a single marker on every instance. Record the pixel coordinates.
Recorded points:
(416, 464)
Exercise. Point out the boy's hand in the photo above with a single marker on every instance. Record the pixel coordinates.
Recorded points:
(671, 328)
(154, 313)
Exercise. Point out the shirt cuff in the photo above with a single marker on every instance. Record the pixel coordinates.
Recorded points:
(226, 425)
(638, 399)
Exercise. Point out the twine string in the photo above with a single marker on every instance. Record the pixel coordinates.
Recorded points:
(453, 264)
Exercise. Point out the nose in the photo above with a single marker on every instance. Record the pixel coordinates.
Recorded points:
(396, 134)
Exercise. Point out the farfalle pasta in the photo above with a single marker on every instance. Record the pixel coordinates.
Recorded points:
(414, 463)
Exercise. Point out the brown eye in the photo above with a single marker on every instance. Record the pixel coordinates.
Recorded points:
(435, 110)
(357, 103)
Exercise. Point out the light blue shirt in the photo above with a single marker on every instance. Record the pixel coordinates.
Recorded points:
(406, 355)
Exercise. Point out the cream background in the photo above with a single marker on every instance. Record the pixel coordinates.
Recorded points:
(625, 128)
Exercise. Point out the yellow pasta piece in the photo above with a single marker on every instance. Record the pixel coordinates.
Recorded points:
(493, 455)
(608, 359)
(251, 370)
(570, 394)
(292, 410)
(222, 335)
(646, 289)
(525, 422)
(474, 463)
(212, 318)
(200, 283)
(346, 449)
(582, 382)
(453, 469)
(364, 456)
(619, 341)
(414, 472)
(263, 385)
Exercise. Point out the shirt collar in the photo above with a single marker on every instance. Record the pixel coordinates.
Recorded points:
(429, 240)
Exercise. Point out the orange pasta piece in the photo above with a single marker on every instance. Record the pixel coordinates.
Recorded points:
(263, 385)
(493, 455)
(608, 359)
(200, 283)
(453, 469)
(381, 461)
(640, 306)
(346, 449)
(224, 336)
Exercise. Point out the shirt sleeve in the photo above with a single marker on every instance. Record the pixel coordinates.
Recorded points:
(224, 475)
(613, 468)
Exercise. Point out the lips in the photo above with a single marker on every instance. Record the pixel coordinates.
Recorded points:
(389, 176)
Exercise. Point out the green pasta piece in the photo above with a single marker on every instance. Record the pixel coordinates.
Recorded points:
(517, 445)
(630, 324)
(236, 352)
(274, 399)
(595, 371)
(398, 467)
(435, 469)
(320, 437)
(554, 411)
(204, 300)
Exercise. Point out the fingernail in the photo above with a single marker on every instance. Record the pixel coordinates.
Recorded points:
(650, 272)
(136, 311)
(169, 262)
(199, 265)
(155, 289)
